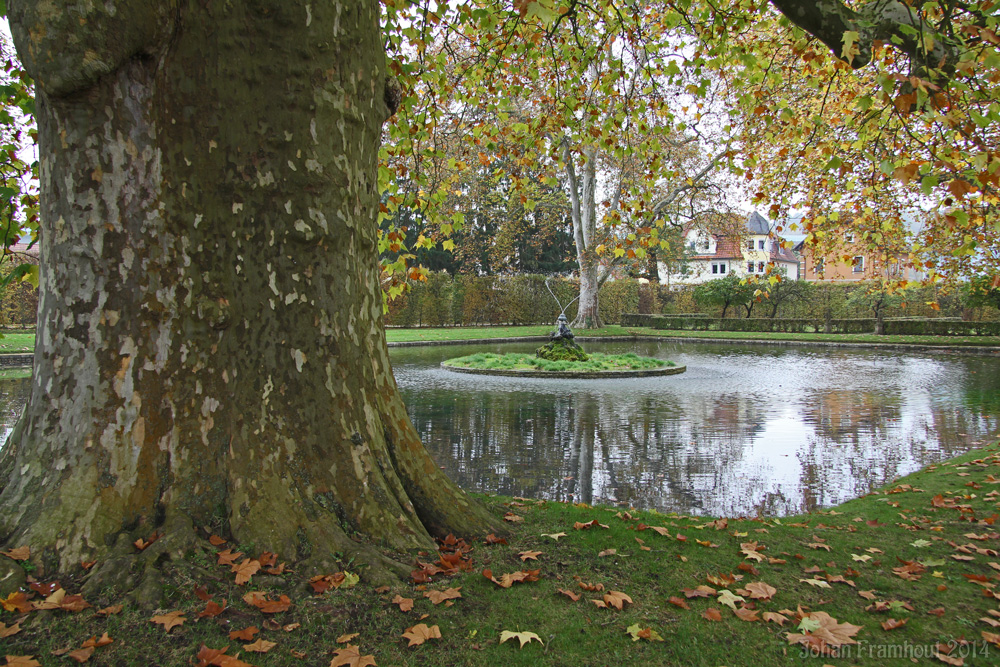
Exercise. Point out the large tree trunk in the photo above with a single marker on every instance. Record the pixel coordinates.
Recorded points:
(210, 347)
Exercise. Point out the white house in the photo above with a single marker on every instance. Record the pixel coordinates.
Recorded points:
(746, 250)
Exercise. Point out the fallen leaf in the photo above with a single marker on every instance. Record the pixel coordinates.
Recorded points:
(22, 661)
(638, 633)
(405, 604)
(96, 642)
(893, 624)
(607, 552)
(81, 654)
(616, 599)
(712, 614)
(437, 597)
(260, 646)
(700, 592)
(523, 637)
(727, 598)
(774, 617)
(570, 594)
(266, 606)
(212, 609)
(554, 536)
(350, 656)
(216, 541)
(245, 570)
(420, 633)
(513, 518)
(823, 633)
(745, 614)
(228, 557)
(818, 583)
(759, 590)
(246, 634)
(344, 639)
(169, 620)
(679, 602)
(20, 553)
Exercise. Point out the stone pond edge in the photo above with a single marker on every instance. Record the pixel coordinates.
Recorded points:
(590, 375)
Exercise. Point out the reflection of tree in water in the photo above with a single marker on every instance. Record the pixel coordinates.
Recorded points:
(732, 436)
(13, 396)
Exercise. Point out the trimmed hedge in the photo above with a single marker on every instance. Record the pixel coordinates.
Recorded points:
(940, 327)
(785, 325)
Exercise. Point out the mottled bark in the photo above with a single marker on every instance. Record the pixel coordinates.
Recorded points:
(587, 316)
(210, 346)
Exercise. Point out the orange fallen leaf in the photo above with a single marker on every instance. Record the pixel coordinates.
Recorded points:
(529, 555)
(81, 654)
(291, 627)
(216, 541)
(246, 634)
(607, 552)
(405, 604)
(22, 661)
(142, 544)
(570, 594)
(758, 590)
(774, 617)
(110, 611)
(260, 646)
(7, 631)
(437, 597)
(228, 557)
(679, 602)
(96, 642)
(712, 614)
(893, 624)
(616, 599)
(344, 639)
(212, 609)
(169, 620)
(420, 633)
(745, 614)
(265, 605)
(16, 601)
(20, 553)
(245, 570)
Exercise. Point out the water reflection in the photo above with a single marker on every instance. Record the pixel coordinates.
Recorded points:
(746, 430)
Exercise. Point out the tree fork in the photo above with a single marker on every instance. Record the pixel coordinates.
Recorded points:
(210, 346)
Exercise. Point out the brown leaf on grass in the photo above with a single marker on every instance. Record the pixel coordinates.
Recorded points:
(607, 552)
(722, 580)
(745, 614)
(265, 605)
(420, 633)
(95, 642)
(522, 637)
(268, 559)
(22, 661)
(992, 622)
(228, 557)
(593, 588)
(210, 656)
(81, 654)
(828, 635)
(529, 555)
(169, 620)
(291, 627)
(513, 518)
(16, 601)
(700, 592)
(246, 634)
(893, 624)
(20, 553)
(260, 646)
(201, 592)
(751, 550)
(344, 639)
(774, 617)
(749, 569)
(991, 637)
(758, 590)
(616, 599)
(7, 631)
(660, 530)
(405, 604)
(437, 597)
(600, 604)
(245, 570)
(570, 594)
(679, 602)
(212, 609)
(868, 595)
(493, 539)
(817, 545)
(937, 611)
(957, 661)
(43, 589)
(712, 614)
(508, 580)
(594, 523)
(216, 541)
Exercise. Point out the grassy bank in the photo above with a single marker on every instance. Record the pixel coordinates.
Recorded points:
(17, 342)
(909, 568)
(596, 363)
(472, 333)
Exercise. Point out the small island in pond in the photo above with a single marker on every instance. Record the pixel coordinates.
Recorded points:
(562, 357)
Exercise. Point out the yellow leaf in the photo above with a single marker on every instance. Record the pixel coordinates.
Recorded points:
(523, 637)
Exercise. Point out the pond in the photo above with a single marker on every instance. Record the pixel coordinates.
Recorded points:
(746, 430)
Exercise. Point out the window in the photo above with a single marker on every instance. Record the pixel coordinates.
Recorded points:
(719, 268)
(760, 244)
(750, 244)
(715, 268)
(722, 268)
(760, 267)
(749, 267)
(849, 237)
(859, 264)
(818, 265)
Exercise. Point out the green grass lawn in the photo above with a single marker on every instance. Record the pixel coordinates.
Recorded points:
(471, 333)
(528, 362)
(17, 342)
(909, 568)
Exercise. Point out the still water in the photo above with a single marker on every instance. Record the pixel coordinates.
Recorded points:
(746, 430)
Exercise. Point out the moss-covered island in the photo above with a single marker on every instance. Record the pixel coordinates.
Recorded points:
(596, 365)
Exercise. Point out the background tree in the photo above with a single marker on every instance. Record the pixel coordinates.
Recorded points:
(725, 292)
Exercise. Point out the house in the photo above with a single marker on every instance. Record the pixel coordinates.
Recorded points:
(850, 261)
(748, 249)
